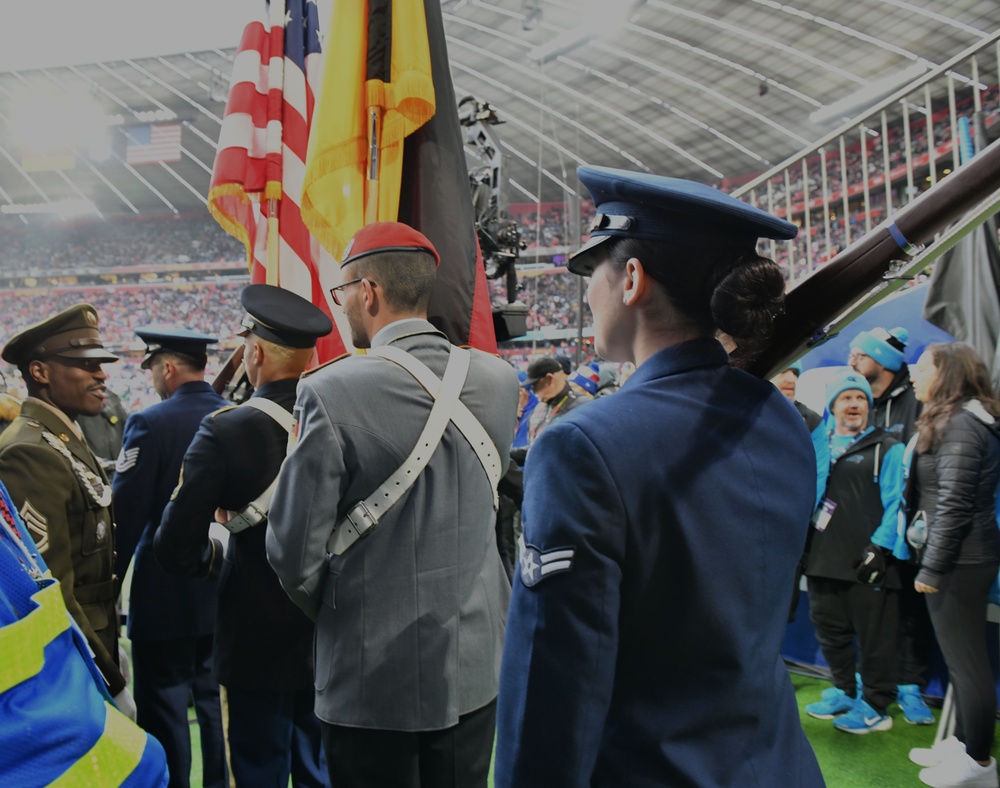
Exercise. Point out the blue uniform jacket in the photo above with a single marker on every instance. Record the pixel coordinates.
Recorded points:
(263, 642)
(161, 606)
(662, 527)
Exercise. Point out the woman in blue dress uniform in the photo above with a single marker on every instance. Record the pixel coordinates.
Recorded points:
(662, 526)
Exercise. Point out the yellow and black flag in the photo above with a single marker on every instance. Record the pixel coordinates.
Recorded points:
(386, 145)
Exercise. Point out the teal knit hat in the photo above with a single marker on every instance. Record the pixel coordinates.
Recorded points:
(846, 381)
(885, 347)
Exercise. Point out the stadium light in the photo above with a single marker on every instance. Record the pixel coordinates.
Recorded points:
(600, 19)
(64, 209)
(42, 121)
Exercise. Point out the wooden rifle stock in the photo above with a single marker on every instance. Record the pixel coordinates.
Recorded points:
(228, 371)
(825, 295)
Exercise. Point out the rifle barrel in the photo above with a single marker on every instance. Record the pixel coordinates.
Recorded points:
(825, 295)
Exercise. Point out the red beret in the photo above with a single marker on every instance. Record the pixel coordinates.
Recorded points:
(379, 237)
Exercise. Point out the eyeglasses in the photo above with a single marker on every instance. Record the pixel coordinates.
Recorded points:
(856, 355)
(335, 290)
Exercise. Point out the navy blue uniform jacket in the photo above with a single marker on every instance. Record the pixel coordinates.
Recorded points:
(161, 606)
(262, 642)
(662, 527)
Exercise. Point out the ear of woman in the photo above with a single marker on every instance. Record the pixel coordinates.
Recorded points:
(636, 281)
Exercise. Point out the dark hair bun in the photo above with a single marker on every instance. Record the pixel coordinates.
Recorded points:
(747, 297)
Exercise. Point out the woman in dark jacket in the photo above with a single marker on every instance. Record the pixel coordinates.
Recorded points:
(956, 470)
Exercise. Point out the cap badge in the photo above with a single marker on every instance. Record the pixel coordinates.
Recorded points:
(604, 221)
(91, 318)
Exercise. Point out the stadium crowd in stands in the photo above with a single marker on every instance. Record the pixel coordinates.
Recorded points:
(85, 245)
(162, 268)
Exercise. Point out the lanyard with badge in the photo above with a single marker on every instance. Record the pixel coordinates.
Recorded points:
(824, 512)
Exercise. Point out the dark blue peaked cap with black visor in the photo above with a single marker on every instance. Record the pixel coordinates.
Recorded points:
(656, 208)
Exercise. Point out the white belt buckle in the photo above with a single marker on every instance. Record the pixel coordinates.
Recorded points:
(250, 516)
(362, 520)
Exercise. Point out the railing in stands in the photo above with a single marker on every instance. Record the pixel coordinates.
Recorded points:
(868, 168)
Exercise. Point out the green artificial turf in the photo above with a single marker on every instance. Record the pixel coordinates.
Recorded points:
(875, 760)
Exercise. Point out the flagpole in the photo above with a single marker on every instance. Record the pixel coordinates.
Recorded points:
(275, 132)
(371, 192)
(272, 243)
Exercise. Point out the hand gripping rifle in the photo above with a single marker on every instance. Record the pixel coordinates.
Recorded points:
(867, 264)
(233, 377)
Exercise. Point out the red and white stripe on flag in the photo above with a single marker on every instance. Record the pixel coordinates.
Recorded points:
(261, 154)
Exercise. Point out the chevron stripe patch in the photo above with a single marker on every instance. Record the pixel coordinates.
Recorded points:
(127, 459)
(38, 524)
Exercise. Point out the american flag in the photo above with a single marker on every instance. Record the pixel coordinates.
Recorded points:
(262, 150)
(153, 144)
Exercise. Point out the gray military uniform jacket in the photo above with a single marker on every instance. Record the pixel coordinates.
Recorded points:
(410, 620)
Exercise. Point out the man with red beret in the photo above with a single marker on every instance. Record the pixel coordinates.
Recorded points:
(395, 559)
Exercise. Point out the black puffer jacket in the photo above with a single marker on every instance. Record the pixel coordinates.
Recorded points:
(957, 489)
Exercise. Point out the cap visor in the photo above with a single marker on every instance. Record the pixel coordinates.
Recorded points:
(583, 261)
(89, 352)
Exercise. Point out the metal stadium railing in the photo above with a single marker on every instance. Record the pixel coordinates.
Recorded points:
(865, 170)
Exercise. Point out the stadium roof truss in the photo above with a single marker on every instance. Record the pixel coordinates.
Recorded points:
(702, 89)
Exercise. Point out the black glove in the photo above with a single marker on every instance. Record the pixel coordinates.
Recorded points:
(871, 567)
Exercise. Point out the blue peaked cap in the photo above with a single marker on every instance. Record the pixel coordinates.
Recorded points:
(161, 338)
(656, 208)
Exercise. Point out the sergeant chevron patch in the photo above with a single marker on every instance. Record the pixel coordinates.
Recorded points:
(38, 524)
(537, 565)
(127, 459)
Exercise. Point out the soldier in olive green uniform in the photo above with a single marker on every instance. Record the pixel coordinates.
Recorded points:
(57, 483)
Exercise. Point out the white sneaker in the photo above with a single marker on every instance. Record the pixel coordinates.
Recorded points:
(932, 756)
(961, 773)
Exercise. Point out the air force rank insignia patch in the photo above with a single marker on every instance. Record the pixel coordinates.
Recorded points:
(127, 459)
(536, 565)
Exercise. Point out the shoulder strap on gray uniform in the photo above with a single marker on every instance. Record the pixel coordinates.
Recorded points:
(255, 512)
(364, 515)
(470, 427)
